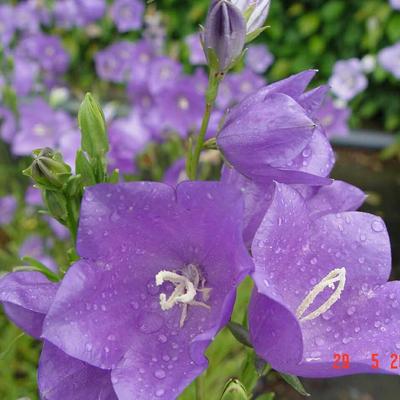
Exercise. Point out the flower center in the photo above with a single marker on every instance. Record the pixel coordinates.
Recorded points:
(187, 285)
(336, 275)
(183, 103)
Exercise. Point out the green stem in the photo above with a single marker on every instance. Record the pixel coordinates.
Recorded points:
(200, 387)
(214, 80)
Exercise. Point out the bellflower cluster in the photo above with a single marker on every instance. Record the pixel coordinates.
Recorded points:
(154, 267)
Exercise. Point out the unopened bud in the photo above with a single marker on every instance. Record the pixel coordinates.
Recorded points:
(225, 33)
(93, 127)
(48, 169)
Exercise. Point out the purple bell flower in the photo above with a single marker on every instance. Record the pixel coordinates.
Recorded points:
(25, 75)
(348, 79)
(224, 33)
(389, 57)
(115, 63)
(321, 288)
(258, 58)
(180, 107)
(164, 73)
(127, 14)
(142, 306)
(271, 134)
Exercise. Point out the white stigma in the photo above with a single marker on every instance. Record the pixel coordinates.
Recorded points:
(186, 288)
(336, 275)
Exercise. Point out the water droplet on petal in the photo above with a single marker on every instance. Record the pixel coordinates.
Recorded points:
(160, 392)
(377, 226)
(160, 374)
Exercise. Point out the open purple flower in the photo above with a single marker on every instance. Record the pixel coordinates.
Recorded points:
(164, 73)
(272, 134)
(321, 288)
(7, 24)
(348, 79)
(127, 14)
(115, 62)
(389, 57)
(153, 286)
(395, 4)
(180, 107)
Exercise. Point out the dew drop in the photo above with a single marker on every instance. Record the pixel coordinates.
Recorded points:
(160, 374)
(162, 338)
(160, 392)
(351, 310)
(377, 226)
(89, 346)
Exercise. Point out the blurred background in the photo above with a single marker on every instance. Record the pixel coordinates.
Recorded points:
(144, 63)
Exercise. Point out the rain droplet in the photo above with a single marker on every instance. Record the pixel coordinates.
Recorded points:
(162, 338)
(351, 310)
(89, 346)
(160, 374)
(160, 392)
(377, 226)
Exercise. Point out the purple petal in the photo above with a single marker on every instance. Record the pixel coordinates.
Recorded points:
(312, 100)
(26, 297)
(63, 377)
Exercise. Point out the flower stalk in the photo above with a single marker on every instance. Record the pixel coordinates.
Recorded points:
(212, 91)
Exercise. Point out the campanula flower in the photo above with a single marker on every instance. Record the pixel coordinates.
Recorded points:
(272, 134)
(153, 286)
(388, 58)
(127, 14)
(321, 288)
(258, 15)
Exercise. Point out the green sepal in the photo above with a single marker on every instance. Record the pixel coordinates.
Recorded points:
(84, 169)
(234, 390)
(56, 204)
(212, 58)
(240, 333)
(35, 265)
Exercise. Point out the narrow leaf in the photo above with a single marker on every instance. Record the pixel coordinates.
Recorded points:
(295, 383)
(240, 333)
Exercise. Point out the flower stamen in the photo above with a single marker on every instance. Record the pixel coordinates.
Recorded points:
(186, 288)
(336, 275)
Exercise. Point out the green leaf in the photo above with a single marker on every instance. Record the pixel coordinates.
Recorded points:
(92, 124)
(295, 383)
(234, 390)
(240, 333)
(114, 177)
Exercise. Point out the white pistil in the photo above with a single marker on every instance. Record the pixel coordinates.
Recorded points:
(186, 288)
(336, 275)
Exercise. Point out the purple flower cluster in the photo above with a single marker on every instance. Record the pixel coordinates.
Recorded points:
(165, 98)
(159, 264)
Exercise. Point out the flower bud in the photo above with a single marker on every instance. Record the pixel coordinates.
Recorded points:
(225, 33)
(93, 127)
(48, 169)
